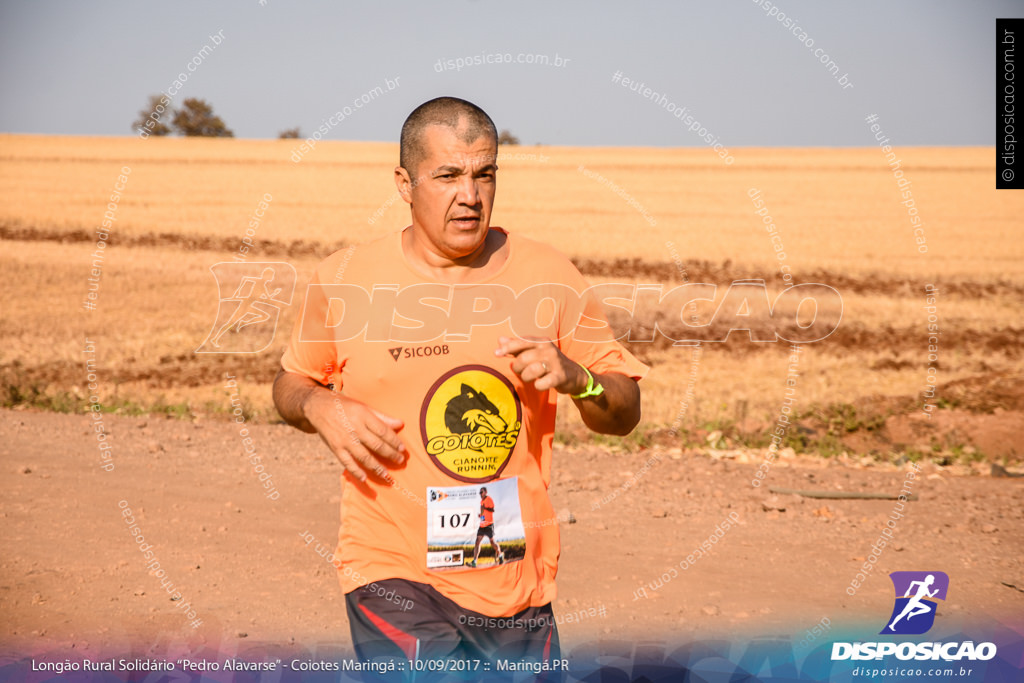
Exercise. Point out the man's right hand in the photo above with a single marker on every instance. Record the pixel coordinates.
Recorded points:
(362, 439)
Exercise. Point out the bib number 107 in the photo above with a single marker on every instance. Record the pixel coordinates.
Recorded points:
(453, 521)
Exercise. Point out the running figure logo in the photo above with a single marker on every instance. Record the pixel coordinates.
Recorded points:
(247, 318)
(916, 601)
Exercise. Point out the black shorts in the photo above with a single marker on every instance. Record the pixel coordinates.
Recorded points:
(401, 620)
(487, 531)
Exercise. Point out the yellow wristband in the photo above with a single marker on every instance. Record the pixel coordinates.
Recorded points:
(593, 389)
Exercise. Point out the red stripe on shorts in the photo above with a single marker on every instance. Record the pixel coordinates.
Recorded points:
(405, 642)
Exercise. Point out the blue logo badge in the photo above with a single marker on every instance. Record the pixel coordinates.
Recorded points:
(917, 596)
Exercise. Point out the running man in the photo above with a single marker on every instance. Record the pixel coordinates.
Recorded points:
(486, 529)
(464, 398)
(252, 304)
(916, 605)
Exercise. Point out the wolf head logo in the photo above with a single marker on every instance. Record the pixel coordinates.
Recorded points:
(470, 421)
(471, 411)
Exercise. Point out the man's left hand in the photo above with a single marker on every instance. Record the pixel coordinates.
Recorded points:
(539, 361)
(615, 411)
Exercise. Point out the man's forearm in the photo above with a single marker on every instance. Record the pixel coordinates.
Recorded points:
(290, 394)
(616, 410)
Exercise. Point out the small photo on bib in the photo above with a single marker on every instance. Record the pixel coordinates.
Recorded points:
(474, 527)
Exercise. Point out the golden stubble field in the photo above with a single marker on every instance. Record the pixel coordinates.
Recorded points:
(646, 216)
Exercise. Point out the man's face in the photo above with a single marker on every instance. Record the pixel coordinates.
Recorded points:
(452, 192)
(483, 493)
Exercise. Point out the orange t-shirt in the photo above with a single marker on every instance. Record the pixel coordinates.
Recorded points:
(487, 511)
(423, 351)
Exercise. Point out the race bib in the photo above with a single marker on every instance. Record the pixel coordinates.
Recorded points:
(474, 527)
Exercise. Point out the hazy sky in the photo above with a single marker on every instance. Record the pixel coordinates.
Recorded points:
(926, 67)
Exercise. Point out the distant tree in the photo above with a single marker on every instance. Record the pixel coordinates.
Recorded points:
(289, 134)
(506, 138)
(149, 121)
(196, 119)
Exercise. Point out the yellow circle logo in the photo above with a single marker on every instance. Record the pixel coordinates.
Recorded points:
(470, 421)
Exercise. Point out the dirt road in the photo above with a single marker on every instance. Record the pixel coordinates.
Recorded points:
(632, 563)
